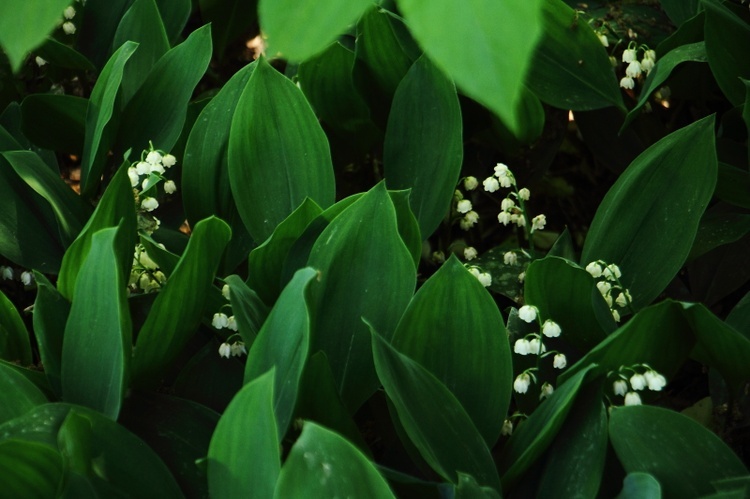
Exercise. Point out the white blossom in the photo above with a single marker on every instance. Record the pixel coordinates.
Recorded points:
(504, 217)
(632, 398)
(620, 387)
(491, 184)
(231, 323)
(133, 176)
(536, 346)
(546, 391)
(463, 206)
(168, 160)
(633, 70)
(149, 204)
(501, 170)
(638, 382)
(69, 28)
(519, 220)
(238, 348)
(510, 258)
(594, 269)
(39, 61)
(524, 194)
(559, 361)
(622, 300)
(225, 291)
(472, 217)
(627, 83)
(470, 183)
(507, 428)
(153, 158)
(655, 380)
(604, 287)
(527, 313)
(603, 38)
(69, 13)
(506, 204)
(170, 187)
(612, 272)
(551, 329)
(522, 382)
(220, 320)
(7, 273)
(647, 65)
(629, 55)
(538, 222)
(26, 277)
(615, 314)
(522, 347)
(225, 350)
(485, 279)
(142, 168)
(465, 224)
(470, 253)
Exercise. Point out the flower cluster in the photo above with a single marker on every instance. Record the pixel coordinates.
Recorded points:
(513, 210)
(223, 321)
(145, 275)
(464, 208)
(146, 174)
(483, 277)
(6, 274)
(68, 27)
(610, 287)
(533, 344)
(636, 68)
(630, 380)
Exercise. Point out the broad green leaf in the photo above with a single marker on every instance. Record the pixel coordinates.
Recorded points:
(658, 335)
(122, 461)
(423, 147)
(37, 378)
(301, 29)
(15, 345)
(468, 488)
(717, 228)
(97, 341)
(158, 110)
(29, 469)
(177, 311)
(266, 262)
(719, 345)
(205, 172)
(319, 401)
(583, 314)
(575, 460)
(324, 464)
(142, 24)
(116, 206)
(249, 310)
(70, 210)
(648, 219)
(178, 430)
(229, 20)
(681, 454)
(278, 153)
(363, 273)
(99, 116)
(381, 60)
(532, 439)
(24, 25)
(64, 56)
(453, 328)
(693, 52)
(328, 84)
(639, 485)
(727, 32)
(55, 122)
(733, 184)
(570, 69)
(175, 14)
(739, 317)
(51, 311)
(680, 11)
(74, 442)
(282, 344)
(433, 417)
(17, 394)
(244, 452)
(494, 82)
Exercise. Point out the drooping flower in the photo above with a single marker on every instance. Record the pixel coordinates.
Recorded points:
(638, 381)
(604, 287)
(142, 168)
(522, 347)
(594, 269)
(153, 157)
(7, 273)
(501, 170)
(225, 350)
(629, 55)
(655, 380)
(506, 204)
(225, 291)
(546, 391)
(470, 183)
(491, 184)
(231, 323)
(627, 83)
(39, 61)
(620, 387)
(510, 258)
(26, 277)
(521, 383)
(220, 320)
(603, 38)
(633, 70)
(524, 194)
(632, 398)
(551, 329)
(615, 313)
(527, 313)
(149, 204)
(612, 272)
(538, 222)
(69, 28)
(559, 361)
(168, 160)
(470, 253)
(170, 187)
(536, 346)
(507, 428)
(463, 206)
(133, 176)
(504, 217)
(485, 279)
(69, 13)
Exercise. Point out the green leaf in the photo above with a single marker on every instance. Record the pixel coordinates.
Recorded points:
(453, 328)
(648, 219)
(29, 469)
(70, 210)
(17, 394)
(640, 485)
(324, 464)
(282, 344)
(142, 24)
(719, 345)
(681, 454)
(278, 153)
(423, 147)
(495, 82)
(575, 460)
(432, 417)
(583, 315)
(680, 11)
(570, 69)
(328, 84)
(301, 29)
(266, 262)
(205, 171)
(120, 459)
(733, 184)
(51, 311)
(693, 52)
(533, 438)
(249, 310)
(468, 488)
(244, 452)
(717, 228)
(158, 110)
(727, 31)
(64, 56)
(98, 116)
(15, 345)
(177, 311)
(229, 20)
(24, 26)
(636, 342)
(116, 206)
(362, 274)
(97, 341)
(55, 122)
